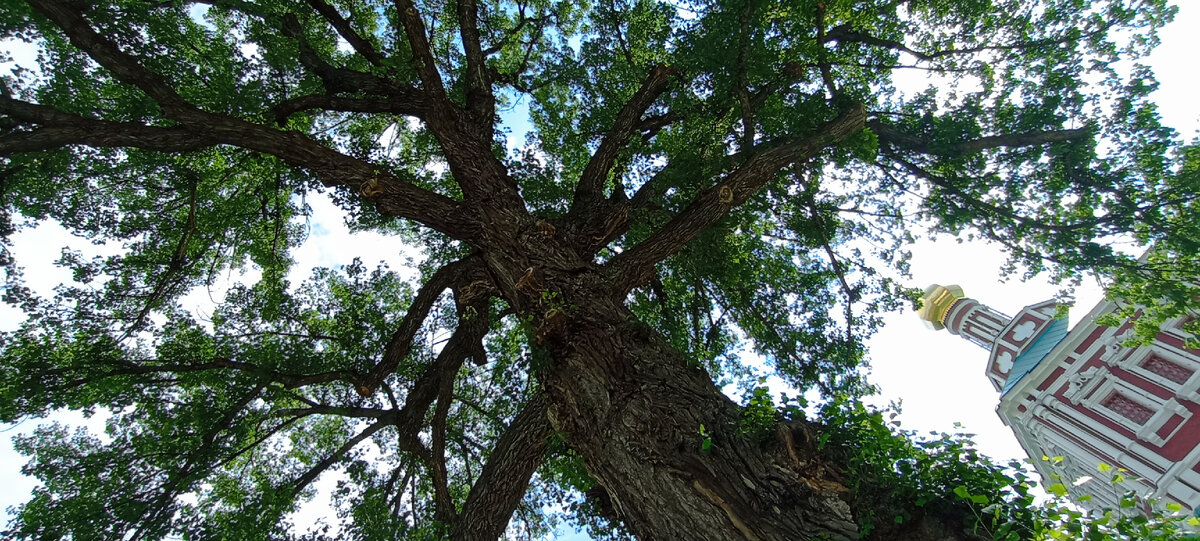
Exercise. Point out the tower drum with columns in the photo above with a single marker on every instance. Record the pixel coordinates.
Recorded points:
(1080, 394)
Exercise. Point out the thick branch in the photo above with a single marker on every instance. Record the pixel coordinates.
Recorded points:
(899, 139)
(505, 478)
(443, 504)
(395, 197)
(401, 341)
(480, 100)
(411, 105)
(650, 126)
(823, 55)
(460, 346)
(845, 34)
(343, 28)
(58, 129)
(414, 30)
(466, 145)
(111, 135)
(288, 380)
(125, 67)
(392, 196)
(338, 79)
(634, 266)
(591, 183)
(341, 411)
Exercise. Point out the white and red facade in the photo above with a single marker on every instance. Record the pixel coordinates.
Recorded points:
(1081, 395)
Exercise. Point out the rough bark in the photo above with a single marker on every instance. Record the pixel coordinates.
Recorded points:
(639, 414)
(504, 479)
(588, 192)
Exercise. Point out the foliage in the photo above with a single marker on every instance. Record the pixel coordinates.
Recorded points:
(904, 476)
(698, 181)
(915, 475)
(1136, 517)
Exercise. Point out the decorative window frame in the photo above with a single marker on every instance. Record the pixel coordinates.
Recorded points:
(1099, 389)
(1188, 390)
(1175, 325)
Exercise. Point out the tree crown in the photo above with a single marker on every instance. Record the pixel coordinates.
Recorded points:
(732, 173)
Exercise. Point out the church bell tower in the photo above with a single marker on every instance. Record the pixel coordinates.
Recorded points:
(1086, 396)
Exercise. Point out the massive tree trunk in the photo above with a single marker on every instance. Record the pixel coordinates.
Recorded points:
(640, 416)
(671, 450)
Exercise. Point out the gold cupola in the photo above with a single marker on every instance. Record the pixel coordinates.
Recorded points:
(936, 303)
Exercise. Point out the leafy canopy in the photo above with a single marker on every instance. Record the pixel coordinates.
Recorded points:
(748, 172)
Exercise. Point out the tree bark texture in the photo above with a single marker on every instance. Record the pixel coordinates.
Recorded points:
(639, 415)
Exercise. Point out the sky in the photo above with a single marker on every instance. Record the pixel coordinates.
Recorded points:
(938, 378)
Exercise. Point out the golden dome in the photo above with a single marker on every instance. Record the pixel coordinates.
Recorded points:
(936, 303)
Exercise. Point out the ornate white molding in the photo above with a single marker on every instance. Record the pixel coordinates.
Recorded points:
(1113, 347)
(1078, 382)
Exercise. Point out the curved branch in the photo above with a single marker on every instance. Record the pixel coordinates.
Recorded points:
(343, 28)
(634, 266)
(338, 79)
(505, 477)
(846, 34)
(124, 66)
(591, 182)
(392, 195)
(462, 344)
(401, 342)
(395, 197)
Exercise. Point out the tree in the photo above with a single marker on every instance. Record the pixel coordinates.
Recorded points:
(698, 176)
